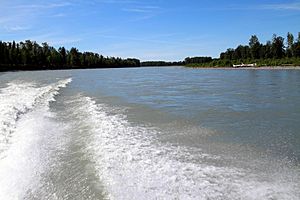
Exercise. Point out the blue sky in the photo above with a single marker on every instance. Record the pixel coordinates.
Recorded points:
(148, 30)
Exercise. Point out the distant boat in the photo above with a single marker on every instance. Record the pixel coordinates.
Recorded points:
(245, 65)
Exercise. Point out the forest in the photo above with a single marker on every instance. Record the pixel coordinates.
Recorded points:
(187, 61)
(275, 52)
(29, 55)
(161, 63)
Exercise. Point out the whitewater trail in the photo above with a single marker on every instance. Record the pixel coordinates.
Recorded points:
(82, 149)
(26, 127)
(17, 99)
(133, 164)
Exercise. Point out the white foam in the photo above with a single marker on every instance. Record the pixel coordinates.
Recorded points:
(132, 164)
(21, 171)
(17, 99)
(29, 134)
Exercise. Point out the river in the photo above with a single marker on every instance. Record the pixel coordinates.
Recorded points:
(150, 133)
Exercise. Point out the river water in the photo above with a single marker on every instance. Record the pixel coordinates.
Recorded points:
(150, 133)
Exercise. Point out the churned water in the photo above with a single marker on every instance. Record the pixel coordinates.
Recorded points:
(150, 133)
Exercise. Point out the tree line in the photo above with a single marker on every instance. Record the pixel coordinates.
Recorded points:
(160, 63)
(189, 60)
(186, 61)
(275, 52)
(29, 55)
(274, 49)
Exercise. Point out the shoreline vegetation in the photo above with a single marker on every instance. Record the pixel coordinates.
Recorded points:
(259, 64)
(29, 55)
(252, 68)
(275, 53)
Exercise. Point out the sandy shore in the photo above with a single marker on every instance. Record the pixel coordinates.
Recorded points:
(252, 68)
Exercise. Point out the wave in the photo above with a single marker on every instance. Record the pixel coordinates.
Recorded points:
(30, 135)
(31, 156)
(129, 160)
(133, 164)
(17, 99)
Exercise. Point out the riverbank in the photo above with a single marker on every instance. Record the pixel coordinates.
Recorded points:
(252, 68)
(248, 63)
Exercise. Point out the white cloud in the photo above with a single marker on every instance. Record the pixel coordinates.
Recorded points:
(63, 41)
(19, 17)
(284, 6)
(43, 6)
(116, 1)
(16, 28)
(53, 38)
(142, 9)
(136, 10)
(59, 15)
(294, 6)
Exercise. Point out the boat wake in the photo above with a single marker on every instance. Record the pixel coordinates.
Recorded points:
(17, 99)
(133, 164)
(87, 150)
(28, 134)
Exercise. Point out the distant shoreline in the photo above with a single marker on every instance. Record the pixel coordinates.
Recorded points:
(200, 68)
(252, 68)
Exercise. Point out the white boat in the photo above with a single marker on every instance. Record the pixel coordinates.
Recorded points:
(245, 65)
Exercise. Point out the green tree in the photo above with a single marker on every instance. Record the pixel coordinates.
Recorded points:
(254, 46)
(63, 53)
(277, 46)
(290, 43)
(74, 57)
